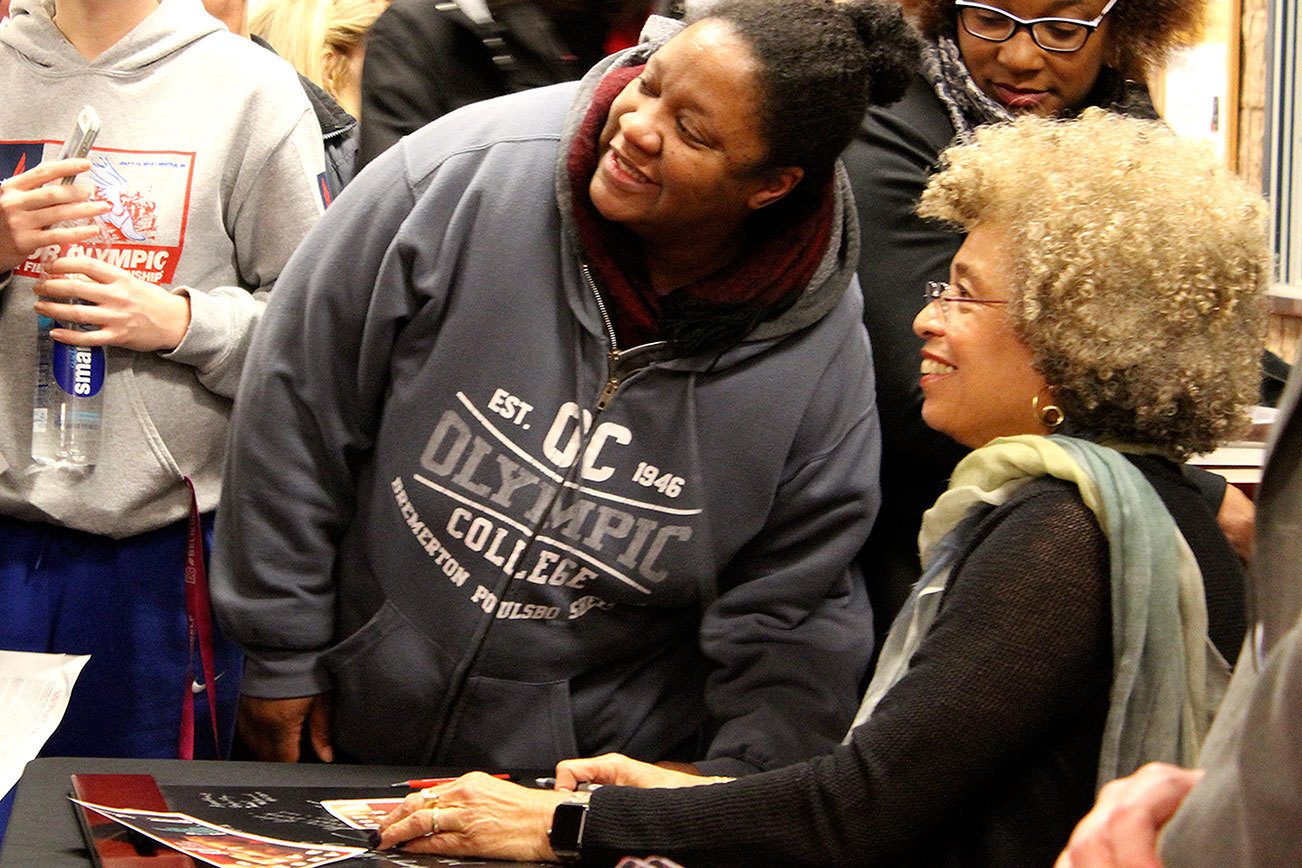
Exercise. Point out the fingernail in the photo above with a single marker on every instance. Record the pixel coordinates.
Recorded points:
(373, 839)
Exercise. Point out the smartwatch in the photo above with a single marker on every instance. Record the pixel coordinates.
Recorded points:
(566, 833)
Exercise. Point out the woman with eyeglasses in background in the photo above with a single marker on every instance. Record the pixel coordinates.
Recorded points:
(1063, 633)
(984, 63)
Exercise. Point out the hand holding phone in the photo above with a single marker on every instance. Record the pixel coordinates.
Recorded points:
(80, 140)
(36, 212)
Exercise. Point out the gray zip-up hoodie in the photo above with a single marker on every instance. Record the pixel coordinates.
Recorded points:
(211, 158)
(500, 543)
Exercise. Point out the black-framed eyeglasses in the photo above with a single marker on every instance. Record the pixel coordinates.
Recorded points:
(943, 293)
(1052, 34)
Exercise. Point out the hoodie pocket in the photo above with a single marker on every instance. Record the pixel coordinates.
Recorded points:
(513, 724)
(387, 690)
(138, 407)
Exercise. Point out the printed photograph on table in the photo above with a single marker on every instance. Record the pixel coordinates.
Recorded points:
(361, 813)
(302, 814)
(221, 846)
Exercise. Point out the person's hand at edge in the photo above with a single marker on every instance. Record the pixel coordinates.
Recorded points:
(1121, 831)
(1237, 519)
(273, 728)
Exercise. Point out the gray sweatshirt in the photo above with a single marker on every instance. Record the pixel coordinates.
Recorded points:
(211, 158)
(431, 512)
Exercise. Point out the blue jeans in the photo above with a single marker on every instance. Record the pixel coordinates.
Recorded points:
(122, 601)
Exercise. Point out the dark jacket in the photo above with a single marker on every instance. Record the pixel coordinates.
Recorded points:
(889, 162)
(425, 58)
(338, 136)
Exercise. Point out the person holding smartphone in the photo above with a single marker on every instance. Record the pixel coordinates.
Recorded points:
(206, 175)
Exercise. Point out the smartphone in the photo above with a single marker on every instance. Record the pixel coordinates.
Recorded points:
(79, 141)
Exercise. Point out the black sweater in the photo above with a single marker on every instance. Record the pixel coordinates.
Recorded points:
(889, 162)
(986, 752)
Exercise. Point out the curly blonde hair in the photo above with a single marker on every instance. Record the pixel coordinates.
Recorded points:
(1140, 270)
(1142, 34)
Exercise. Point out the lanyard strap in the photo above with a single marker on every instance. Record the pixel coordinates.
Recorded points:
(198, 616)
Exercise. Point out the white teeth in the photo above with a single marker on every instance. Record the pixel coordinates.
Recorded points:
(931, 366)
(628, 167)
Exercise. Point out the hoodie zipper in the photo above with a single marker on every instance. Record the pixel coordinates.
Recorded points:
(612, 358)
(451, 710)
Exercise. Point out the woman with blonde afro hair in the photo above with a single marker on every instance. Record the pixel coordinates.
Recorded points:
(1140, 266)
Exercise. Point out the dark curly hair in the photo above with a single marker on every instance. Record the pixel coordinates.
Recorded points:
(1142, 33)
(821, 63)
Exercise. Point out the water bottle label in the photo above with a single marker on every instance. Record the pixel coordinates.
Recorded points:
(79, 371)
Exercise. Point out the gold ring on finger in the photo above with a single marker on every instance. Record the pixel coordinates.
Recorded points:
(434, 820)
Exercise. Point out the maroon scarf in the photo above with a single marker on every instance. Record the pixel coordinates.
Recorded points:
(777, 260)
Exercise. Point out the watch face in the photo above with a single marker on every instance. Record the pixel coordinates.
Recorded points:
(567, 827)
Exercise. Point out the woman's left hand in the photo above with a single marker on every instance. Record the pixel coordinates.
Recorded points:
(130, 312)
(475, 815)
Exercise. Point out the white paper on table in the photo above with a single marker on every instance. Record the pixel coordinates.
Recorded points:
(34, 692)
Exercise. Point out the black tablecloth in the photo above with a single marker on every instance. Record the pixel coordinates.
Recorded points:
(43, 830)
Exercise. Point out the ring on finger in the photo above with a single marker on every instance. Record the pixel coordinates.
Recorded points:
(431, 797)
(434, 819)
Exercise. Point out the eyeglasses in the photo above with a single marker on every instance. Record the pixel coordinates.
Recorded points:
(944, 293)
(1052, 34)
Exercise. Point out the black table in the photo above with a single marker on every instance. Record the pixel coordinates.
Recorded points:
(43, 830)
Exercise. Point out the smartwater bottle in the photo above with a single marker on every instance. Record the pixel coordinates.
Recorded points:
(67, 407)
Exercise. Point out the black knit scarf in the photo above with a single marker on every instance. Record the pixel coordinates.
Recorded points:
(969, 107)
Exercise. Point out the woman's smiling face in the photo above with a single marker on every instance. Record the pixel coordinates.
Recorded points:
(978, 378)
(681, 152)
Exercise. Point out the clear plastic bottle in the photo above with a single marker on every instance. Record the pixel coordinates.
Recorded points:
(68, 404)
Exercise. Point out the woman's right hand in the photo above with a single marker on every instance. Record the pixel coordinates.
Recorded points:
(30, 205)
(619, 770)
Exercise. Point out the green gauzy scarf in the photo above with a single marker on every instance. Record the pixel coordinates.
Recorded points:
(1167, 677)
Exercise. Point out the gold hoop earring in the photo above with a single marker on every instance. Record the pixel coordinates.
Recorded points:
(1050, 415)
